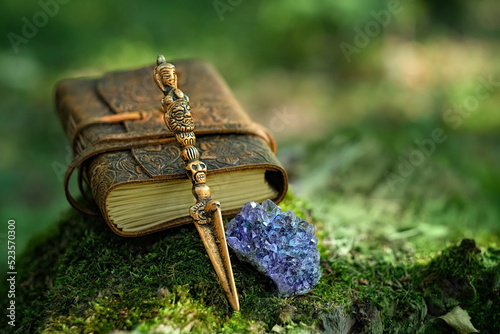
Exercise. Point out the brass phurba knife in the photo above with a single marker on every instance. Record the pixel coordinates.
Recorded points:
(206, 212)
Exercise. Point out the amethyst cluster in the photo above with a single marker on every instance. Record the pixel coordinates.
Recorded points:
(281, 245)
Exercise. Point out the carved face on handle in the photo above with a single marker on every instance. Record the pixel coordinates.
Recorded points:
(197, 171)
(164, 74)
(178, 117)
(168, 77)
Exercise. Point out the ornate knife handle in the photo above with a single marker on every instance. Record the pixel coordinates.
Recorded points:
(206, 212)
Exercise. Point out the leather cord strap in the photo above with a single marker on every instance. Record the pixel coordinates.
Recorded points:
(130, 140)
(108, 119)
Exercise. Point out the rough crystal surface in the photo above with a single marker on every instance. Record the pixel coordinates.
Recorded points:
(281, 245)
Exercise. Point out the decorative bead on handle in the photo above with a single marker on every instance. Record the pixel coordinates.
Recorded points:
(206, 212)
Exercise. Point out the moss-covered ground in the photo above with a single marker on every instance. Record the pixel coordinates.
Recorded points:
(393, 259)
(82, 278)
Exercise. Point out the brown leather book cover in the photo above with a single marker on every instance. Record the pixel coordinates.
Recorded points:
(129, 159)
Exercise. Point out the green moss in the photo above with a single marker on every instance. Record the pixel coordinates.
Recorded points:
(80, 277)
(467, 277)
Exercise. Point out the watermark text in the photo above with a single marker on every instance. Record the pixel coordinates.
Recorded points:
(11, 273)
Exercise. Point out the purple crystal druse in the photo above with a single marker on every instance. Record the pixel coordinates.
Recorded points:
(281, 245)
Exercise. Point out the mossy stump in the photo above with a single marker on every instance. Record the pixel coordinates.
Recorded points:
(392, 255)
(82, 278)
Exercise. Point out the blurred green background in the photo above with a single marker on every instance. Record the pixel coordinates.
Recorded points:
(307, 70)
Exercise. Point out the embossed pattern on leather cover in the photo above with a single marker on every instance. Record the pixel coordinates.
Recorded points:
(116, 128)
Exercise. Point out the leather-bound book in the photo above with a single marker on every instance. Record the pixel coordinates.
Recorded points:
(126, 155)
